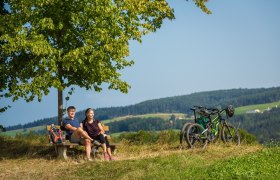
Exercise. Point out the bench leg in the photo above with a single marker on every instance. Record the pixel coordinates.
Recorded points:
(94, 150)
(61, 152)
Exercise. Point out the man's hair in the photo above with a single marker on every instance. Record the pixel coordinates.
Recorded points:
(71, 107)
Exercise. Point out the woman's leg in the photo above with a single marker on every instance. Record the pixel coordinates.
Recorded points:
(101, 138)
(108, 147)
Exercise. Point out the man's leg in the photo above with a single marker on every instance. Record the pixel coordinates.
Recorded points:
(87, 144)
(81, 133)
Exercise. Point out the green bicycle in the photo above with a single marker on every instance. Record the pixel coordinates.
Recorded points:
(209, 125)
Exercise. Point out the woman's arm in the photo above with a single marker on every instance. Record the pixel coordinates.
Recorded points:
(101, 128)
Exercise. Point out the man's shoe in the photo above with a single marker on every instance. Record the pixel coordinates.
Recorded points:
(89, 159)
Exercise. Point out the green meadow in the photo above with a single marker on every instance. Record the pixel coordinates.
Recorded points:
(32, 157)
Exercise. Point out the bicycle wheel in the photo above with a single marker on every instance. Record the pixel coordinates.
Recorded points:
(230, 134)
(196, 137)
(183, 133)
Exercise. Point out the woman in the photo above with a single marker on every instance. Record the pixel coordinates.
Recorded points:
(94, 129)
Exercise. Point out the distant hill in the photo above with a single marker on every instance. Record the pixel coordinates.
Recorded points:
(182, 104)
(178, 104)
(264, 124)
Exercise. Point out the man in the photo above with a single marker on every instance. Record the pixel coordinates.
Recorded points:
(75, 132)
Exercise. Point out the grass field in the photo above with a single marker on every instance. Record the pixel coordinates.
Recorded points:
(22, 131)
(261, 107)
(34, 159)
(165, 116)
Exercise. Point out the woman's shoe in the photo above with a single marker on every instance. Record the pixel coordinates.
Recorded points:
(112, 158)
(106, 157)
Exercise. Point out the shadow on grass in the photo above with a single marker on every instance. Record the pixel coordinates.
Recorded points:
(31, 147)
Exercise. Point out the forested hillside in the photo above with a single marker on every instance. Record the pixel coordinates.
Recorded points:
(265, 126)
(179, 104)
(182, 104)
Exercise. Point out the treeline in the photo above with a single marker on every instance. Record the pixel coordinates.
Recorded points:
(178, 104)
(146, 124)
(182, 104)
(45, 121)
(265, 126)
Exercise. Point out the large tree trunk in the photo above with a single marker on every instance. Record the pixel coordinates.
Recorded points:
(60, 106)
(60, 95)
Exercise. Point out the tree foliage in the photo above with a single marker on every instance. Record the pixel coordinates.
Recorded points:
(51, 43)
(3, 11)
(62, 43)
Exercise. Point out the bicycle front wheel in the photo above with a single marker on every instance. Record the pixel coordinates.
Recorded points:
(196, 136)
(230, 134)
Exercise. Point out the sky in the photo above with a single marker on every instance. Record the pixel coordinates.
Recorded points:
(237, 46)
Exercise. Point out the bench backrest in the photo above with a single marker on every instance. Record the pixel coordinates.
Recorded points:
(105, 128)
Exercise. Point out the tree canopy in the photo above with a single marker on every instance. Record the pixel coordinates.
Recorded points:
(62, 43)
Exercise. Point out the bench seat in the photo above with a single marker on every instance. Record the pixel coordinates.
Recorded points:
(61, 148)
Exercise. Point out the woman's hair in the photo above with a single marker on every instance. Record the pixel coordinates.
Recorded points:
(87, 110)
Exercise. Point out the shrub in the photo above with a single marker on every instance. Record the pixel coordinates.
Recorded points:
(246, 137)
(150, 137)
(140, 137)
(168, 137)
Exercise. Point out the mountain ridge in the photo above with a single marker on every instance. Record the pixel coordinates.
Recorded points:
(178, 104)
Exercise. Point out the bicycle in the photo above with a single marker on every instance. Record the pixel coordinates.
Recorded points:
(209, 125)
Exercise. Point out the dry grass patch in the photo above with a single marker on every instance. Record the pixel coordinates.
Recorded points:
(23, 160)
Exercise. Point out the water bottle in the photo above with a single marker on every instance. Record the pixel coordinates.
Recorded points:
(63, 138)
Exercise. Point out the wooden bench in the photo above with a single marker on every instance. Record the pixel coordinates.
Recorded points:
(61, 148)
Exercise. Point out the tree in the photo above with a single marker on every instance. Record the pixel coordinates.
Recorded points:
(2, 129)
(3, 11)
(63, 43)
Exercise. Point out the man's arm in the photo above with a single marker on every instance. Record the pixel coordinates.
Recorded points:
(69, 127)
(81, 125)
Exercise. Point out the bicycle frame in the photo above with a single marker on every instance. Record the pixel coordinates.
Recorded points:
(213, 125)
(209, 124)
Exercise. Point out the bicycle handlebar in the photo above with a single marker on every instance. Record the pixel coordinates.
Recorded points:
(211, 110)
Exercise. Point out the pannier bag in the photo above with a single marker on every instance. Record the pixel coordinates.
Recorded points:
(203, 121)
(55, 134)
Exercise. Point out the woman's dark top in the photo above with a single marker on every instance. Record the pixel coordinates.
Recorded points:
(92, 129)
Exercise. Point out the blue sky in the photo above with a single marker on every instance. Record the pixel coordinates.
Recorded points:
(238, 46)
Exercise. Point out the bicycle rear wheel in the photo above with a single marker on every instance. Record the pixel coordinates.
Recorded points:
(195, 136)
(230, 134)
(183, 134)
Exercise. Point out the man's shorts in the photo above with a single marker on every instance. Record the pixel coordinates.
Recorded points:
(75, 139)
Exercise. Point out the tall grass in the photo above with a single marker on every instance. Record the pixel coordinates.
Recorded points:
(31, 157)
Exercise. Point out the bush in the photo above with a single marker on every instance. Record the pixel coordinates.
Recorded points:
(168, 137)
(246, 137)
(140, 137)
(272, 143)
(150, 137)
